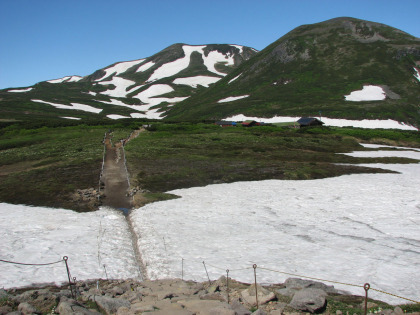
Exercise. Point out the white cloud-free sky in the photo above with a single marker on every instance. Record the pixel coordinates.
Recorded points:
(48, 39)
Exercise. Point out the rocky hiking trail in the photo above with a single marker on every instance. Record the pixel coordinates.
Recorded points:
(115, 180)
(224, 296)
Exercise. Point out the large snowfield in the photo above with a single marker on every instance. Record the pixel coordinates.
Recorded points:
(354, 229)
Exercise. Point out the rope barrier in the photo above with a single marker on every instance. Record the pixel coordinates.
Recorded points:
(343, 283)
(27, 264)
(380, 291)
(300, 276)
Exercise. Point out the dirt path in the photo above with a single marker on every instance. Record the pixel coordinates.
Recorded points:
(115, 177)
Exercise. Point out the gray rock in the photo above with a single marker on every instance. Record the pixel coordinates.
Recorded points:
(70, 307)
(142, 307)
(298, 284)
(207, 307)
(259, 312)
(309, 300)
(264, 295)
(398, 311)
(27, 308)
(108, 304)
(117, 291)
(239, 308)
(6, 309)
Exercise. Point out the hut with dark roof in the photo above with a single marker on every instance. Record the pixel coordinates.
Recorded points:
(309, 121)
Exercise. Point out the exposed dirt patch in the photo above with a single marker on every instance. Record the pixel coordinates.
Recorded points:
(114, 177)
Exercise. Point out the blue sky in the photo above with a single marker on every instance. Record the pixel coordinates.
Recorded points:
(49, 39)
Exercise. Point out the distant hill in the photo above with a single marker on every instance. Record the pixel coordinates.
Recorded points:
(142, 88)
(313, 68)
(342, 68)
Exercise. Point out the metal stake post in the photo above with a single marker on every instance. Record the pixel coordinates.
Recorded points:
(255, 281)
(182, 270)
(227, 284)
(65, 258)
(366, 287)
(206, 272)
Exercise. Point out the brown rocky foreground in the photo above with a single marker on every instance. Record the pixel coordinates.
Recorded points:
(178, 297)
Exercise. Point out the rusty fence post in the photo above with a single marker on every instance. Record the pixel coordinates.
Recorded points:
(106, 273)
(65, 258)
(366, 287)
(206, 272)
(182, 269)
(227, 284)
(255, 282)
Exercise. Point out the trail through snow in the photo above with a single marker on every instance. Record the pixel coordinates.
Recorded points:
(354, 228)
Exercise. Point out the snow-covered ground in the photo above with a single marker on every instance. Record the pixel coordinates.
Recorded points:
(417, 75)
(21, 90)
(354, 229)
(72, 78)
(120, 84)
(368, 93)
(120, 67)
(231, 80)
(197, 80)
(73, 106)
(365, 123)
(174, 67)
(37, 235)
(232, 98)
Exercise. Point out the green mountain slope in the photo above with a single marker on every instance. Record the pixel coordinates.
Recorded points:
(141, 88)
(312, 68)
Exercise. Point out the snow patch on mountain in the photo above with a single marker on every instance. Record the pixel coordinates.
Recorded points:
(115, 116)
(73, 78)
(234, 78)
(21, 90)
(417, 75)
(73, 106)
(145, 66)
(120, 67)
(121, 86)
(150, 114)
(197, 80)
(174, 67)
(365, 123)
(148, 96)
(154, 90)
(241, 48)
(215, 57)
(232, 98)
(72, 118)
(368, 93)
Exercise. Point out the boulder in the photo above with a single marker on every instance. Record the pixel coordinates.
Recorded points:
(70, 307)
(264, 295)
(239, 308)
(26, 309)
(309, 300)
(298, 284)
(108, 304)
(207, 307)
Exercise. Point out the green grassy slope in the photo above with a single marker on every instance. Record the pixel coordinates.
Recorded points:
(311, 68)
